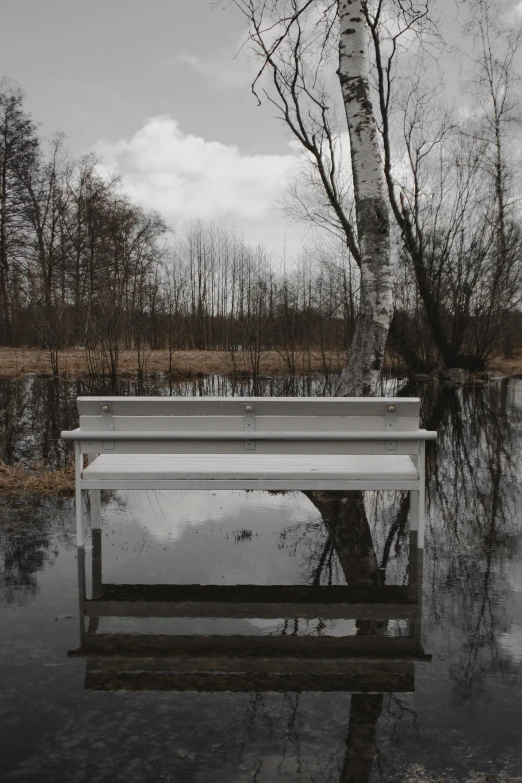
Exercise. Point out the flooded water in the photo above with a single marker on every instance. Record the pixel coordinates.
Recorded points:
(273, 685)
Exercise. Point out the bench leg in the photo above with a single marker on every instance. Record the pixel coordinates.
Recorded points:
(81, 593)
(94, 496)
(79, 518)
(95, 502)
(96, 563)
(417, 515)
(422, 517)
(79, 508)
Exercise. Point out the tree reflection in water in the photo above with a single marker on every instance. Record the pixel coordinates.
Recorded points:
(473, 489)
(349, 537)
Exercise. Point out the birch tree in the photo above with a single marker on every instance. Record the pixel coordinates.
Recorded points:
(362, 374)
(297, 40)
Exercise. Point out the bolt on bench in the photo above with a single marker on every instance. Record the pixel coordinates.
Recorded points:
(284, 443)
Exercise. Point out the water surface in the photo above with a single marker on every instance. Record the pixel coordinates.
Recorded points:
(459, 711)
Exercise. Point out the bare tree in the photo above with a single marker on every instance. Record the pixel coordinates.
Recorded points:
(462, 237)
(296, 40)
(46, 203)
(462, 260)
(18, 147)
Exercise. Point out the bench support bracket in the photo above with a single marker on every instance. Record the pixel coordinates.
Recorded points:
(391, 426)
(249, 425)
(107, 423)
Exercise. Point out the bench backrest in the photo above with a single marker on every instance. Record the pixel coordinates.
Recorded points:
(247, 414)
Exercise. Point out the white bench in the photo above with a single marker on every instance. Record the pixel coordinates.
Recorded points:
(284, 443)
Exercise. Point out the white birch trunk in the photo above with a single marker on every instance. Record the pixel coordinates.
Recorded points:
(361, 375)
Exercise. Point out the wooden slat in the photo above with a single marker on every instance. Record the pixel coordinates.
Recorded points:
(267, 594)
(251, 484)
(293, 467)
(278, 435)
(273, 406)
(398, 678)
(91, 446)
(281, 665)
(385, 647)
(260, 601)
(330, 611)
(236, 423)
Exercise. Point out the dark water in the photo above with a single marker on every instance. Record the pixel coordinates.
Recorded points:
(372, 709)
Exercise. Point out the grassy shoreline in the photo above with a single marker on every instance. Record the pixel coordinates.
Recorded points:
(20, 480)
(19, 362)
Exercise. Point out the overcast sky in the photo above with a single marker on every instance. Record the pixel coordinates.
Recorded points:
(154, 88)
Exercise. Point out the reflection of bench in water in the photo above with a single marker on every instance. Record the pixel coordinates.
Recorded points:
(364, 662)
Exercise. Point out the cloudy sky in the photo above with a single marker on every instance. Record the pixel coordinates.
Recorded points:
(161, 91)
(157, 89)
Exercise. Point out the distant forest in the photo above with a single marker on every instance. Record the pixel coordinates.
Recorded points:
(81, 265)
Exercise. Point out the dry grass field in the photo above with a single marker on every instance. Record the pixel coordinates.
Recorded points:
(16, 362)
(507, 366)
(16, 480)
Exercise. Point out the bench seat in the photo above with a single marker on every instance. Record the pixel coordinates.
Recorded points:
(251, 466)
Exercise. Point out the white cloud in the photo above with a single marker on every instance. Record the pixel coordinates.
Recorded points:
(221, 69)
(511, 643)
(186, 177)
(228, 66)
(154, 510)
(515, 15)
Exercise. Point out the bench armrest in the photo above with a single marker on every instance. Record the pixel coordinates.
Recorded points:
(136, 435)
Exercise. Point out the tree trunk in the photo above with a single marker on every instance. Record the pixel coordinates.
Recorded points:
(362, 373)
(5, 308)
(345, 518)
